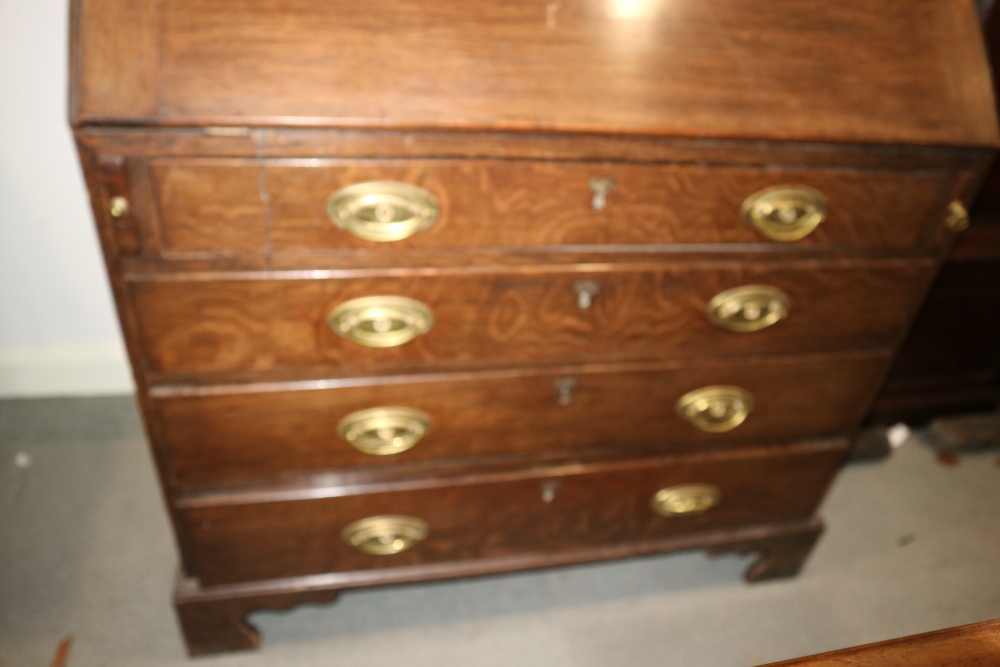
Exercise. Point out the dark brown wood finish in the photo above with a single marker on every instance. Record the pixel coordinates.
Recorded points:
(214, 619)
(950, 362)
(591, 506)
(532, 315)
(250, 433)
(226, 131)
(297, 144)
(976, 645)
(673, 68)
(227, 206)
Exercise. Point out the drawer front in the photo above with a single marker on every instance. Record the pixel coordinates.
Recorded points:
(238, 437)
(572, 507)
(539, 315)
(218, 205)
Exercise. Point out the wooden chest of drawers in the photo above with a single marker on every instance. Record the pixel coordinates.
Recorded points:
(422, 290)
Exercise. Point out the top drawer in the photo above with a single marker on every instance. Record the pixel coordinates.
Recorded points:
(237, 206)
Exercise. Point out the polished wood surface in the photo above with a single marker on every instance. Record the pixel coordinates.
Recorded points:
(215, 618)
(521, 317)
(227, 126)
(247, 435)
(297, 143)
(976, 645)
(231, 206)
(591, 506)
(781, 69)
(950, 362)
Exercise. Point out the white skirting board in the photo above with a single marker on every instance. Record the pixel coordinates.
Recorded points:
(78, 369)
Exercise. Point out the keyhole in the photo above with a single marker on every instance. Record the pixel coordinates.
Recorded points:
(549, 491)
(601, 187)
(585, 292)
(565, 388)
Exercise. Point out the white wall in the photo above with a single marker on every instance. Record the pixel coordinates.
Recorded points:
(58, 332)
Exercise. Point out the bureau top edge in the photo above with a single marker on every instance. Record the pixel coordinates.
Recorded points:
(894, 72)
(242, 141)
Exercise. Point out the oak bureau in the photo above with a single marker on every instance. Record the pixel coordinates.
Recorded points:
(417, 290)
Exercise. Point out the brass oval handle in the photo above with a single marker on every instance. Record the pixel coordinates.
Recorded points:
(383, 211)
(785, 212)
(381, 321)
(958, 217)
(685, 499)
(715, 409)
(386, 534)
(384, 431)
(748, 308)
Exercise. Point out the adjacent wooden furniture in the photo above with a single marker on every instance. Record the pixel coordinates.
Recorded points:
(417, 290)
(976, 645)
(950, 362)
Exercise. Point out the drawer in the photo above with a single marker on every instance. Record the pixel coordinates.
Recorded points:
(222, 205)
(217, 437)
(548, 314)
(563, 507)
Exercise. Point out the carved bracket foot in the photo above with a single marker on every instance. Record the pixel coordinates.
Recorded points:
(780, 555)
(214, 623)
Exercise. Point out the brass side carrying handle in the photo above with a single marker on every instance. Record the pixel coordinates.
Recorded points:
(715, 409)
(383, 211)
(118, 206)
(748, 308)
(958, 217)
(385, 430)
(381, 321)
(685, 499)
(385, 534)
(785, 212)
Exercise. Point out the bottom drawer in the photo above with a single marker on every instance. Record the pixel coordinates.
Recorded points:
(292, 532)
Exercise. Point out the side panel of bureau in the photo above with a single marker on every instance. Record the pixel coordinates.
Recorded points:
(249, 434)
(529, 316)
(588, 505)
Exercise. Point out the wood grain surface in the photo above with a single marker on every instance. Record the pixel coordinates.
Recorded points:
(527, 316)
(253, 435)
(894, 72)
(976, 645)
(297, 143)
(591, 506)
(222, 205)
(215, 618)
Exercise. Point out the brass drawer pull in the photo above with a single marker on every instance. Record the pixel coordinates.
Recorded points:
(685, 499)
(958, 217)
(748, 308)
(384, 431)
(383, 210)
(715, 409)
(386, 534)
(381, 321)
(785, 212)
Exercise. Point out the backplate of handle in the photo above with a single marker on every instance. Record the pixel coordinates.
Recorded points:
(383, 211)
